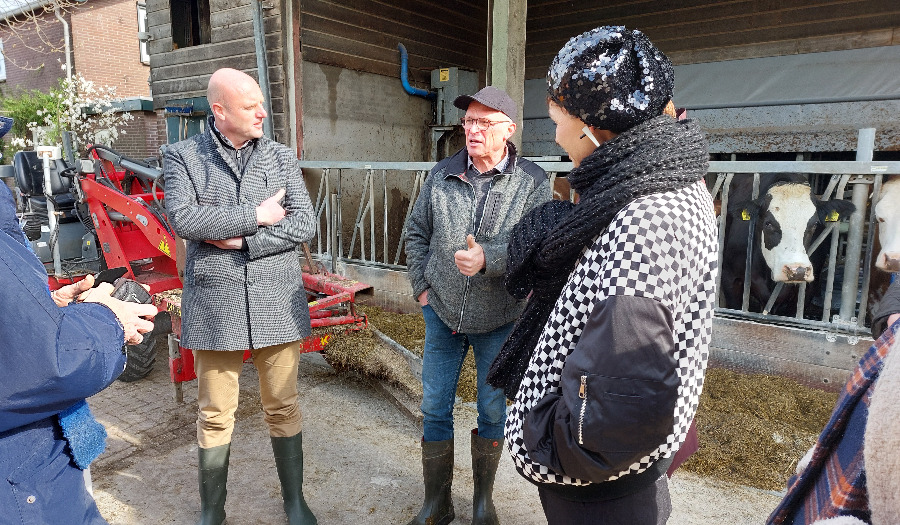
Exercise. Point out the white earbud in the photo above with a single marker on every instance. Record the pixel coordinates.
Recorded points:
(588, 134)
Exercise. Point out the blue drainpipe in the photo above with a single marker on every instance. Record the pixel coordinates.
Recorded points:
(405, 80)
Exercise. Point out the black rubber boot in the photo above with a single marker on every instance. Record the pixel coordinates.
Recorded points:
(437, 469)
(485, 458)
(213, 474)
(289, 462)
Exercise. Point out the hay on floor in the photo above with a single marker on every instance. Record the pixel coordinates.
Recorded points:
(752, 428)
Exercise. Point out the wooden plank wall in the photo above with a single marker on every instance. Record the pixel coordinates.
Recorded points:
(362, 35)
(184, 73)
(693, 31)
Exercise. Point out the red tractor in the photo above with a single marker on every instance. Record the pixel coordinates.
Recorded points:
(108, 212)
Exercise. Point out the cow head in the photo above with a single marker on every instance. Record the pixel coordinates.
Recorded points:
(787, 216)
(887, 212)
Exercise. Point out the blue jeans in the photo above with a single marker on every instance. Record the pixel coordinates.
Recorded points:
(441, 364)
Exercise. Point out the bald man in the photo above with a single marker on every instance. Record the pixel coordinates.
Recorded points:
(239, 201)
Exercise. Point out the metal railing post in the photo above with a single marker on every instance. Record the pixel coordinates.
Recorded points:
(864, 153)
(333, 228)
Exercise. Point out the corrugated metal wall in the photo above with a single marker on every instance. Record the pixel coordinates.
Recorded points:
(363, 35)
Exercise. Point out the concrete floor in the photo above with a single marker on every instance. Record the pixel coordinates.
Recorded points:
(362, 460)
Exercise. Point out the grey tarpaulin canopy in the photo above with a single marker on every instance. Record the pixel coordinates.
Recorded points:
(812, 78)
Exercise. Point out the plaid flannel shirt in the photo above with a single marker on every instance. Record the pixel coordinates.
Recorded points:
(834, 482)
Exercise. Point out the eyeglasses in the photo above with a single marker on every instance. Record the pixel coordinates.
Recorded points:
(480, 123)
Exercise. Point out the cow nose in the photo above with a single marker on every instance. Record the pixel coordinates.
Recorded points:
(797, 273)
(892, 262)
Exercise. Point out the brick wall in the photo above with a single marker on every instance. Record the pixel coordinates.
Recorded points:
(105, 46)
(33, 52)
(161, 131)
(105, 49)
(143, 136)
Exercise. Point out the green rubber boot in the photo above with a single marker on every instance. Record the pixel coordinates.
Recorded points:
(437, 469)
(289, 462)
(213, 473)
(485, 458)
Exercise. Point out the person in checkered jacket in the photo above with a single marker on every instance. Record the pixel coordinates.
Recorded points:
(605, 366)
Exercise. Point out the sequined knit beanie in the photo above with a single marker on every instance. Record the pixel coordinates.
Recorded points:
(611, 78)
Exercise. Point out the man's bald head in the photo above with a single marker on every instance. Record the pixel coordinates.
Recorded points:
(226, 81)
(237, 105)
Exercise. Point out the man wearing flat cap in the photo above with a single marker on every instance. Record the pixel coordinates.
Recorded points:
(457, 236)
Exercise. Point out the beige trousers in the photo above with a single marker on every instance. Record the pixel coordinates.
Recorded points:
(217, 391)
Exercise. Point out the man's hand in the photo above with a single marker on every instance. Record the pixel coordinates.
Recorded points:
(471, 260)
(68, 293)
(270, 211)
(423, 298)
(234, 243)
(133, 316)
(892, 319)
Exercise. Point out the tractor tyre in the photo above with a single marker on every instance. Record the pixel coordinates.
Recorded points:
(139, 359)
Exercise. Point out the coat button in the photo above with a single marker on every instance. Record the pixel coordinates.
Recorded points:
(31, 499)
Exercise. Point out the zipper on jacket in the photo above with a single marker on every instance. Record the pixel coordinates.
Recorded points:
(582, 393)
(462, 307)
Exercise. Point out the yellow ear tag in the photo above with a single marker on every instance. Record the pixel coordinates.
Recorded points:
(832, 217)
(745, 215)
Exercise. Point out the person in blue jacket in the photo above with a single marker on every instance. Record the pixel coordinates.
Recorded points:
(55, 350)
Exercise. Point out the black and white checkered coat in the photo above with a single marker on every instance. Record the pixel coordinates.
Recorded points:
(238, 299)
(616, 378)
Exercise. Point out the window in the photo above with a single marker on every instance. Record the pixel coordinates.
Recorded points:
(190, 22)
(142, 28)
(2, 62)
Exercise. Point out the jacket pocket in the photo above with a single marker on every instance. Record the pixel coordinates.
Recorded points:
(623, 418)
(214, 267)
(428, 264)
(47, 488)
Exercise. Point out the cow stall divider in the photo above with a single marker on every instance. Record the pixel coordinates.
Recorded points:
(362, 208)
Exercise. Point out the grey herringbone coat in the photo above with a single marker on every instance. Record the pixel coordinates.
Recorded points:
(238, 299)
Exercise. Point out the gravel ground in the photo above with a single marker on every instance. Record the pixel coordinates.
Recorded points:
(362, 460)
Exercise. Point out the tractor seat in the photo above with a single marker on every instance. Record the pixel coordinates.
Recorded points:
(29, 170)
(30, 175)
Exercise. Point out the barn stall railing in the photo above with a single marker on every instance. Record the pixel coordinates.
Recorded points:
(850, 242)
(380, 196)
(362, 208)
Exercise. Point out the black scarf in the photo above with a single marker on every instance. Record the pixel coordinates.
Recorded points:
(656, 156)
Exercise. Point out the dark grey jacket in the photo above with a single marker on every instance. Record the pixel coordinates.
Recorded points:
(889, 305)
(444, 214)
(238, 299)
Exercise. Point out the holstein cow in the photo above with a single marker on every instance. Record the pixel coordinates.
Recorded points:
(887, 211)
(786, 218)
(887, 243)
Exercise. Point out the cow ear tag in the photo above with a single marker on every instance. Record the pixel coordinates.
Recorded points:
(745, 215)
(832, 217)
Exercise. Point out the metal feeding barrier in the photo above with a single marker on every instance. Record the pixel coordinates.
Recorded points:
(362, 209)
(377, 192)
(377, 233)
